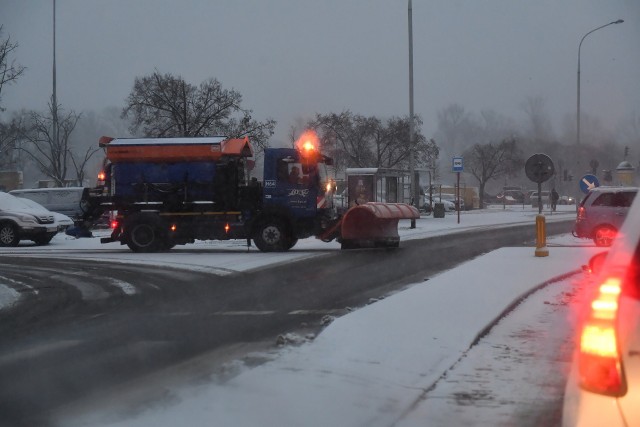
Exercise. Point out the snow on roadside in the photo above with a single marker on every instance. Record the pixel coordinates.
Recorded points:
(532, 345)
(8, 296)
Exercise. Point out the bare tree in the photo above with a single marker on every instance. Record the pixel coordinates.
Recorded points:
(53, 154)
(539, 124)
(9, 73)
(9, 70)
(371, 142)
(492, 161)
(165, 106)
(455, 127)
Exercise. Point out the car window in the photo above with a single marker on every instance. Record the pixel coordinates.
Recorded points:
(587, 197)
(626, 198)
(605, 199)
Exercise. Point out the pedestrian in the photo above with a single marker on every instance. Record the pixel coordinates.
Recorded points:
(554, 199)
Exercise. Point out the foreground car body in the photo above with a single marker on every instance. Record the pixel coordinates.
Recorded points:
(604, 385)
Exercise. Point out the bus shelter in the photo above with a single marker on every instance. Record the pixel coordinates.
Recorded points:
(377, 185)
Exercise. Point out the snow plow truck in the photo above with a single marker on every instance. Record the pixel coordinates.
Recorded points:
(163, 192)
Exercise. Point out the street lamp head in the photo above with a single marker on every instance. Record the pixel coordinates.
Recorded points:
(619, 21)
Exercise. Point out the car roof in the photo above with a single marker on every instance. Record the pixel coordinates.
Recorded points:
(605, 189)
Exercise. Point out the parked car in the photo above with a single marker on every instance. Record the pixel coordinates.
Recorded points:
(603, 388)
(448, 205)
(61, 220)
(602, 212)
(19, 221)
(544, 197)
(452, 198)
(64, 200)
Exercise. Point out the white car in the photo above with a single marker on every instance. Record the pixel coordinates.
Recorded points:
(61, 220)
(20, 221)
(448, 205)
(452, 198)
(604, 384)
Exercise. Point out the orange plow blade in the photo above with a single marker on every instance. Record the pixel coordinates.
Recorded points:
(374, 224)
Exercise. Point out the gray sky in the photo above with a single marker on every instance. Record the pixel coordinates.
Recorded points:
(293, 58)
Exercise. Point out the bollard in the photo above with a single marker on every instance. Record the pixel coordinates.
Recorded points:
(541, 237)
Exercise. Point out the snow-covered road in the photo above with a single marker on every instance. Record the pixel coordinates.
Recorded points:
(404, 360)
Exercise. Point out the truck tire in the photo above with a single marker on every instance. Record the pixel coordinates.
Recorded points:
(144, 234)
(272, 236)
(8, 234)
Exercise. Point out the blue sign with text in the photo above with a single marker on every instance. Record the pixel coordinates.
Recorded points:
(457, 164)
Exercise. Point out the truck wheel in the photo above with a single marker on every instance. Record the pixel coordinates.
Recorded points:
(272, 236)
(8, 235)
(604, 235)
(144, 235)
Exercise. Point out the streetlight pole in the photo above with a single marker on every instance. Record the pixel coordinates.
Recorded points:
(54, 98)
(619, 21)
(411, 124)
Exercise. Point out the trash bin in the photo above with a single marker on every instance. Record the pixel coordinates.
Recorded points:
(438, 210)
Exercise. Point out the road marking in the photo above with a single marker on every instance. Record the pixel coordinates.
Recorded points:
(244, 313)
(38, 350)
(306, 312)
(126, 287)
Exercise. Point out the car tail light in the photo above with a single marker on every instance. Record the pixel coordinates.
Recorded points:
(582, 213)
(114, 224)
(599, 360)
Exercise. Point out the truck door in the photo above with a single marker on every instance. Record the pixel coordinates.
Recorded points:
(294, 186)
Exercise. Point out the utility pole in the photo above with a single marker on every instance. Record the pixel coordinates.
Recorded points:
(411, 121)
(54, 99)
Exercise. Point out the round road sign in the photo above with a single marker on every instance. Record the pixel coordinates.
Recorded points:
(539, 168)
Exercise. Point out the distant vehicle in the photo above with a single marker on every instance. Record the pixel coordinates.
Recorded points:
(534, 198)
(602, 212)
(64, 200)
(448, 205)
(567, 200)
(511, 197)
(452, 199)
(603, 388)
(19, 221)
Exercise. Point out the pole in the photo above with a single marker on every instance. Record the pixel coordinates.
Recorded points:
(619, 21)
(458, 196)
(411, 124)
(54, 98)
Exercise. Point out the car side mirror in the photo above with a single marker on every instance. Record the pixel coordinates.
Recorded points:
(595, 263)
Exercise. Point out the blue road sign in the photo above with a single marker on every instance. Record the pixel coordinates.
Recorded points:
(457, 164)
(588, 182)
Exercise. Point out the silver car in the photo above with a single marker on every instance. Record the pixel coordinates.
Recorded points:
(602, 212)
(20, 221)
(604, 385)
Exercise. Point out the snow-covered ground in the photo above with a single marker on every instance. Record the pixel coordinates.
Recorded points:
(382, 365)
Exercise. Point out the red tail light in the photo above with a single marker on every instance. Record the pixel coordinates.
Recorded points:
(114, 224)
(599, 360)
(582, 213)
